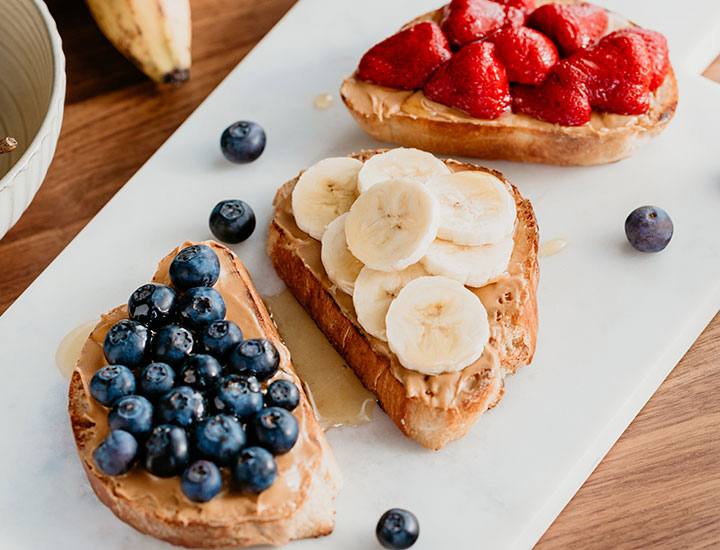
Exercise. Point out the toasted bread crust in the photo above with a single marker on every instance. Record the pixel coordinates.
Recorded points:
(540, 142)
(432, 427)
(313, 518)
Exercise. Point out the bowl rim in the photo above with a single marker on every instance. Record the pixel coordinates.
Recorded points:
(57, 94)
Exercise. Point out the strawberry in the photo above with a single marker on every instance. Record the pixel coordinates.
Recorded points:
(406, 59)
(473, 80)
(466, 21)
(561, 99)
(527, 54)
(525, 6)
(657, 48)
(618, 69)
(571, 27)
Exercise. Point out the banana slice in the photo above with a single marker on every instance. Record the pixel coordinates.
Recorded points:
(341, 266)
(399, 163)
(375, 290)
(391, 226)
(476, 208)
(470, 265)
(323, 192)
(437, 325)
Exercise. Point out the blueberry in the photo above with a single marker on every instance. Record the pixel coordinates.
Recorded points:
(116, 454)
(282, 393)
(196, 265)
(275, 429)
(200, 372)
(201, 481)
(238, 396)
(152, 304)
(649, 229)
(243, 141)
(256, 357)
(200, 306)
(219, 439)
(166, 451)
(232, 221)
(397, 529)
(220, 337)
(183, 406)
(111, 383)
(254, 470)
(133, 414)
(127, 343)
(156, 379)
(172, 344)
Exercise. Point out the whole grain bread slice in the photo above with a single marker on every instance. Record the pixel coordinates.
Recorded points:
(421, 415)
(309, 512)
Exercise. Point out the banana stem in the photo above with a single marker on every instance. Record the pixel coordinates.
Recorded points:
(7, 144)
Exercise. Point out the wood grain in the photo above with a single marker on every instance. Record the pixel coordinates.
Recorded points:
(658, 487)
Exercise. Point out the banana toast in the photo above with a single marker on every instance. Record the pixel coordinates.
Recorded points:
(432, 409)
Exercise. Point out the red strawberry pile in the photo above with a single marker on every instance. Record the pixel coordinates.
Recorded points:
(552, 63)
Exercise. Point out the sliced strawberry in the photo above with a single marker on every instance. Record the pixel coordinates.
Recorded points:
(571, 27)
(525, 6)
(527, 54)
(561, 99)
(406, 59)
(657, 48)
(466, 21)
(473, 80)
(618, 71)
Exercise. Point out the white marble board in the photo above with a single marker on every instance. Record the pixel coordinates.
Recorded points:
(614, 322)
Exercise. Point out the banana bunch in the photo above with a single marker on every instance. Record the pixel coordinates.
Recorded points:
(153, 34)
(405, 237)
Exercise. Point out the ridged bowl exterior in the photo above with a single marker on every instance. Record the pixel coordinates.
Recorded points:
(32, 94)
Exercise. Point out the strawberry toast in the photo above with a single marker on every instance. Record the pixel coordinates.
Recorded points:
(550, 82)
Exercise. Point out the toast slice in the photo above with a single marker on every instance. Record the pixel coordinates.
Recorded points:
(437, 409)
(298, 505)
(409, 118)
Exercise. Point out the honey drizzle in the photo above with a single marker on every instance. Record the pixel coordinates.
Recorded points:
(70, 347)
(552, 247)
(336, 394)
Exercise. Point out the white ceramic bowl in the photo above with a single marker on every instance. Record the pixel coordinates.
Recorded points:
(32, 93)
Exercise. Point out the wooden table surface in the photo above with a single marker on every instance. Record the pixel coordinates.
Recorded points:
(658, 487)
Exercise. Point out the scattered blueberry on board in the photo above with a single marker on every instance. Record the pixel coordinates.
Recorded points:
(186, 394)
(649, 229)
(232, 221)
(243, 141)
(397, 529)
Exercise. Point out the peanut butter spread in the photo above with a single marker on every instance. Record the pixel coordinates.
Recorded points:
(501, 300)
(382, 102)
(163, 496)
